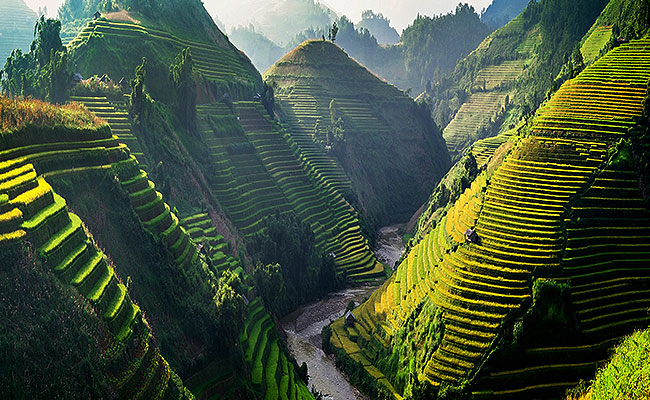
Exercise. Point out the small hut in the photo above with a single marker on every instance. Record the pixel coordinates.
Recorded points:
(471, 236)
(350, 319)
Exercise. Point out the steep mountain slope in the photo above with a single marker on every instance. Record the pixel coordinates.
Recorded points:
(171, 279)
(557, 271)
(343, 118)
(117, 48)
(500, 12)
(35, 222)
(511, 72)
(17, 22)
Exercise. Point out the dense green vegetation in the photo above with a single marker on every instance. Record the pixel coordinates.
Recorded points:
(43, 72)
(195, 207)
(625, 375)
(433, 45)
(300, 273)
(36, 307)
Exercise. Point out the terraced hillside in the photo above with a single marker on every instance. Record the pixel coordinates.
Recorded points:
(33, 212)
(595, 42)
(256, 172)
(117, 120)
(491, 90)
(383, 135)
(224, 68)
(203, 232)
(269, 367)
(556, 274)
(17, 22)
(303, 118)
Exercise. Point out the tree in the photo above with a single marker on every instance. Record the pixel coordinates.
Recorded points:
(56, 77)
(42, 72)
(270, 283)
(139, 98)
(333, 32)
(47, 40)
(230, 308)
(181, 76)
(19, 75)
(336, 131)
(268, 97)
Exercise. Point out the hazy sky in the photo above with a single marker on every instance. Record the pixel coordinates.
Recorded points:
(400, 12)
(52, 5)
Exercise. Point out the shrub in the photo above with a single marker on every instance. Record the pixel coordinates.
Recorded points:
(627, 375)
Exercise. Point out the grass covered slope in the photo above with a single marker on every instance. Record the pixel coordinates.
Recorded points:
(116, 48)
(378, 135)
(625, 375)
(131, 365)
(559, 272)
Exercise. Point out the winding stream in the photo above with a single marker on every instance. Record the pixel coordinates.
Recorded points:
(303, 326)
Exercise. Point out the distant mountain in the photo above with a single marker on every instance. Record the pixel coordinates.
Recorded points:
(278, 20)
(17, 22)
(379, 26)
(500, 12)
(262, 51)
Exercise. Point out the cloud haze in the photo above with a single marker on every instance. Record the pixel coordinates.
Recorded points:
(233, 13)
(400, 12)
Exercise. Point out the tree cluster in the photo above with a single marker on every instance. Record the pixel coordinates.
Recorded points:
(290, 270)
(181, 75)
(432, 45)
(43, 72)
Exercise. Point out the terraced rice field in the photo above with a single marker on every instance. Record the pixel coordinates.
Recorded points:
(484, 149)
(305, 115)
(602, 98)
(596, 41)
(550, 206)
(489, 91)
(489, 78)
(155, 215)
(240, 180)
(17, 22)
(475, 113)
(118, 121)
(269, 176)
(271, 372)
(30, 210)
(203, 232)
(213, 62)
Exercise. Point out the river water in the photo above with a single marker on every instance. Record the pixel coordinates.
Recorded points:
(389, 246)
(303, 327)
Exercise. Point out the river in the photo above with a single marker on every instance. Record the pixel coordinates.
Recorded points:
(303, 326)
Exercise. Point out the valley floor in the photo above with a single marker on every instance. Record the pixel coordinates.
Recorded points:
(303, 327)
